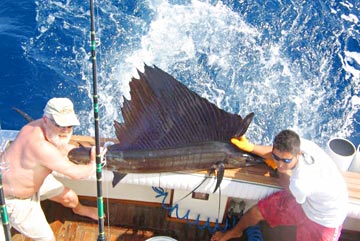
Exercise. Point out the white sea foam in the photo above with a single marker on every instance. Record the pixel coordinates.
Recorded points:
(351, 18)
(225, 56)
(249, 76)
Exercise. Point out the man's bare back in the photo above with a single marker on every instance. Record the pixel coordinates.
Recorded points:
(19, 181)
(32, 157)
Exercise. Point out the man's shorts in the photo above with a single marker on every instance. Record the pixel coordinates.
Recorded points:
(50, 188)
(282, 209)
(26, 215)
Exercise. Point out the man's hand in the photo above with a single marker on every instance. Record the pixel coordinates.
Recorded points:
(93, 153)
(103, 151)
(284, 179)
(217, 236)
(220, 236)
(242, 143)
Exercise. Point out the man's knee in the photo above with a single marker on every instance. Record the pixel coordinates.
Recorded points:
(67, 198)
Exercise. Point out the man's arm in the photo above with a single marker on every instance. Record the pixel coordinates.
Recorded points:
(243, 144)
(263, 151)
(284, 179)
(49, 156)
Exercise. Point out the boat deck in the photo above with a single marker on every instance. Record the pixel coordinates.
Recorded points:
(127, 221)
(135, 220)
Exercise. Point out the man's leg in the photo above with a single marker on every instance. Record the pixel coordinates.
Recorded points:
(27, 217)
(282, 209)
(310, 230)
(68, 198)
(250, 218)
(54, 190)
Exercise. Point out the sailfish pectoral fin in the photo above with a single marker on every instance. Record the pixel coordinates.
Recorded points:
(206, 177)
(117, 178)
(220, 169)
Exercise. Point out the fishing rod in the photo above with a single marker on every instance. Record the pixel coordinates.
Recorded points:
(100, 203)
(4, 166)
(4, 215)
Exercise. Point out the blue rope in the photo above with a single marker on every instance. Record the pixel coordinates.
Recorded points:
(161, 193)
(254, 233)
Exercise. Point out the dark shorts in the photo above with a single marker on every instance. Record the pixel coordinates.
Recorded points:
(282, 209)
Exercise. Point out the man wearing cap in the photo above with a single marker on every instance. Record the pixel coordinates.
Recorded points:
(40, 148)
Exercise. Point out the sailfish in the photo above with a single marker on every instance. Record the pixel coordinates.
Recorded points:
(168, 127)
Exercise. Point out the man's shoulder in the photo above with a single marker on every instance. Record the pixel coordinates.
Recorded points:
(32, 130)
(312, 149)
(315, 156)
(31, 136)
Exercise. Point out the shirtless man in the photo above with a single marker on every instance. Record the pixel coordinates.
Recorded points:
(40, 148)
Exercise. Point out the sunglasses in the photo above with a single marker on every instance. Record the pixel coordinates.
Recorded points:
(286, 160)
(58, 126)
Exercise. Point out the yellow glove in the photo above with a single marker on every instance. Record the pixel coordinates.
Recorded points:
(242, 143)
(271, 163)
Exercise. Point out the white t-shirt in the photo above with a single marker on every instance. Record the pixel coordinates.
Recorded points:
(319, 187)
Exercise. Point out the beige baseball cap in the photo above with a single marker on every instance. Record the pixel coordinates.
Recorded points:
(62, 110)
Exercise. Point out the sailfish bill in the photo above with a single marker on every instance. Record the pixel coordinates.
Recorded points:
(167, 127)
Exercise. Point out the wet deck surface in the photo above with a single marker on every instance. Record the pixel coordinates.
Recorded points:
(126, 221)
(78, 231)
(135, 222)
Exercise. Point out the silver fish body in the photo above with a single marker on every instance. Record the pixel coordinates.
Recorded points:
(194, 157)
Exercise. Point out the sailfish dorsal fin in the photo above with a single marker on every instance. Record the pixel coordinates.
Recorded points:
(164, 113)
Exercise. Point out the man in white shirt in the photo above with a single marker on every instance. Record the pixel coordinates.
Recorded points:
(315, 195)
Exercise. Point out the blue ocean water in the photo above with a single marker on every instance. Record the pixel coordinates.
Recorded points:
(296, 64)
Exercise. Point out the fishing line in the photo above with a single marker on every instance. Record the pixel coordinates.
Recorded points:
(202, 182)
(107, 209)
(219, 202)
(104, 163)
